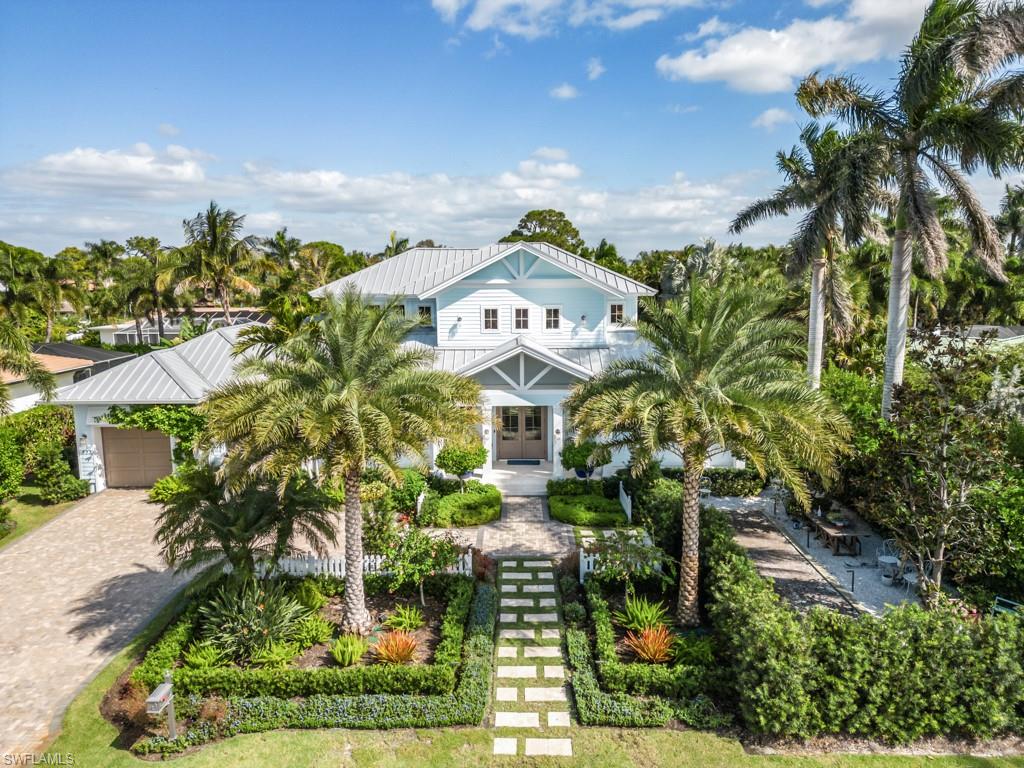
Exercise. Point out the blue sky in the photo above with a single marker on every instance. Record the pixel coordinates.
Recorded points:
(649, 122)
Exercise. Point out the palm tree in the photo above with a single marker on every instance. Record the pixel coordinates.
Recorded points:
(217, 258)
(152, 293)
(837, 180)
(394, 246)
(345, 393)
(722, 372)
(16, 358)
(1011, 217)
(53, 287)
(954, 109)
(201, 525)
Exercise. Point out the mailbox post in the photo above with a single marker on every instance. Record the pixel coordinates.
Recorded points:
(162, 700)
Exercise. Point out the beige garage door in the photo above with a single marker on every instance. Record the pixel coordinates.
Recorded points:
(135, 458)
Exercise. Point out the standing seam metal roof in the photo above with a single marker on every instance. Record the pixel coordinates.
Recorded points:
(421, 270)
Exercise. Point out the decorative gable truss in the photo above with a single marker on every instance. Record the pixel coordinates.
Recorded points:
(523, 366)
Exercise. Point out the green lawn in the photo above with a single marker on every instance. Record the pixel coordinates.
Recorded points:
(30, 512)
(89, 738)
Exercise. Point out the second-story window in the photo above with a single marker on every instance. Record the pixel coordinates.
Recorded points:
(490, 319)
(426, 314)
(522, 318)
(552, 318)
(616, 314)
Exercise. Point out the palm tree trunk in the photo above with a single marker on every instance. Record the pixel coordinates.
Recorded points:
(225, 303)
(816, 324)
(138, 331)
(355, 617)
(49, 327)
(159, 317)
(688, 606)
(899, 305)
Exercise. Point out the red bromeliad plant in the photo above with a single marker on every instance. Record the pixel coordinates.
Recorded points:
(653, 645)
(396, 647)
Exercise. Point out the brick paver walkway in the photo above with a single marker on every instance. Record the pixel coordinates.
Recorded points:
(72, 594)
(525, 528)
(531, 699)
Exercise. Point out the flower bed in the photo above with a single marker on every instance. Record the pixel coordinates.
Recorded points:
(437, 677)
(465, 705)
(674, 681)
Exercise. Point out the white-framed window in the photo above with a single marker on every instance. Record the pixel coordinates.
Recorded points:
(552, 318)
(490, 319)
(616, 313)
(521, 318)
(426, 314)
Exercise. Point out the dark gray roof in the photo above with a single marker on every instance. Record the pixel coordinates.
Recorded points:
(66, 349)
(1001, 331)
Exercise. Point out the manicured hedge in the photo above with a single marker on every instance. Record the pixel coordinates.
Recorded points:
(435, 678)
(587, 510)
(678, 681)
(594, 706)
(466, 705)
(481, 503)
(910, 674)
(725, 481)
(571, 486)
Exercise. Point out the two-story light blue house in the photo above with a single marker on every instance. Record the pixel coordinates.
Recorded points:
(526, 320)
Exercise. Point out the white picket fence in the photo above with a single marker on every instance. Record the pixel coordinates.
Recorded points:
(311, 565)
(627, 503)
(588, 562)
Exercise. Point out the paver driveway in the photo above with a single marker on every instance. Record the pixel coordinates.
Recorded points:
(72, 594)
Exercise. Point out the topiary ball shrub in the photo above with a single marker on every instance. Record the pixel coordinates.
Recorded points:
(460, 459)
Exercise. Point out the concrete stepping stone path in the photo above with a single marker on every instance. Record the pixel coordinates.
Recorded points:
(531, 694)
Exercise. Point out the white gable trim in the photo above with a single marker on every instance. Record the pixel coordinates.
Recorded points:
(521, 345)
(522, 246)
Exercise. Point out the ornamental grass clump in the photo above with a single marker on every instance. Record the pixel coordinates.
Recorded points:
(396, 647)
(641, 614)
(243, 620)
(406, 618)
(349, 649)
(652, 645)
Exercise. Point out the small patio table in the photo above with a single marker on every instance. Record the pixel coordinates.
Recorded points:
(889, 565)
(838, 537)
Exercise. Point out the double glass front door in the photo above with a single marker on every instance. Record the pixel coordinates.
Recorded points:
(523, 433)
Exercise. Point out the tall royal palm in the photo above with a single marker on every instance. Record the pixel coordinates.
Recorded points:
(1011, 218)
(953, 110)
(217, 258)
(836, 179)
(342, 391)
(722, 372)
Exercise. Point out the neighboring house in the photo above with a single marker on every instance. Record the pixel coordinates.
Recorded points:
(125, 331)
(526, 320)
(179, 375)
(67, 362)
(1001, 335)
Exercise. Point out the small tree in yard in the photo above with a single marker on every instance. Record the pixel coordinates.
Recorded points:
(417, 555)
(625, 557)
(946, 441)
(461, 458)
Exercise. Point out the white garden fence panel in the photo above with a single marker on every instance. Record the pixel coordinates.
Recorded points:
(311, 565)
(627, 503)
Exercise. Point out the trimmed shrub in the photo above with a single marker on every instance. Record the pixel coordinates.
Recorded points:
(577, 455)
(679, 681)
(466, 705)
(574, 613)
(163, 654)
(39, 426)
(12, 464)
(594, 706)
(587, 510)
(459, 459)
(726, 481)
(567, 486)
(404, 496)
(658, 508)
(481, 503)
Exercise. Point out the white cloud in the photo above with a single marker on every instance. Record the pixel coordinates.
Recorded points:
(550, 153)
(713, 27)
(682, 109)
(536, 18)
(771, 118)
(168, 129)
(595, 68)
(767, 60)
(564, 92)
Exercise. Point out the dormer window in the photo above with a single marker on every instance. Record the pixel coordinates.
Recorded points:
(522, 319)
(616, 314)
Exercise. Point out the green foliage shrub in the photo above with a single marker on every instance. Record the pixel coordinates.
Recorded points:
(242, 619)
(167, 488)
(574, 613)
(406, 618)
(203, 656)
(309, 595)
(275, 654)
(404, 496)
(182, 422)
(725, 481)
(459, 459)
(12, 464)
(907, 675)
(312, 630)
(641, 613)
(481, 503)
(54, 477)
(571, 486)
(658, 507)
(588, 510)
(577, 455)
(41, 426)
(163, 654)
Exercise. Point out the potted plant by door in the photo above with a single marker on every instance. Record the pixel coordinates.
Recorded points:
(577, 456)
